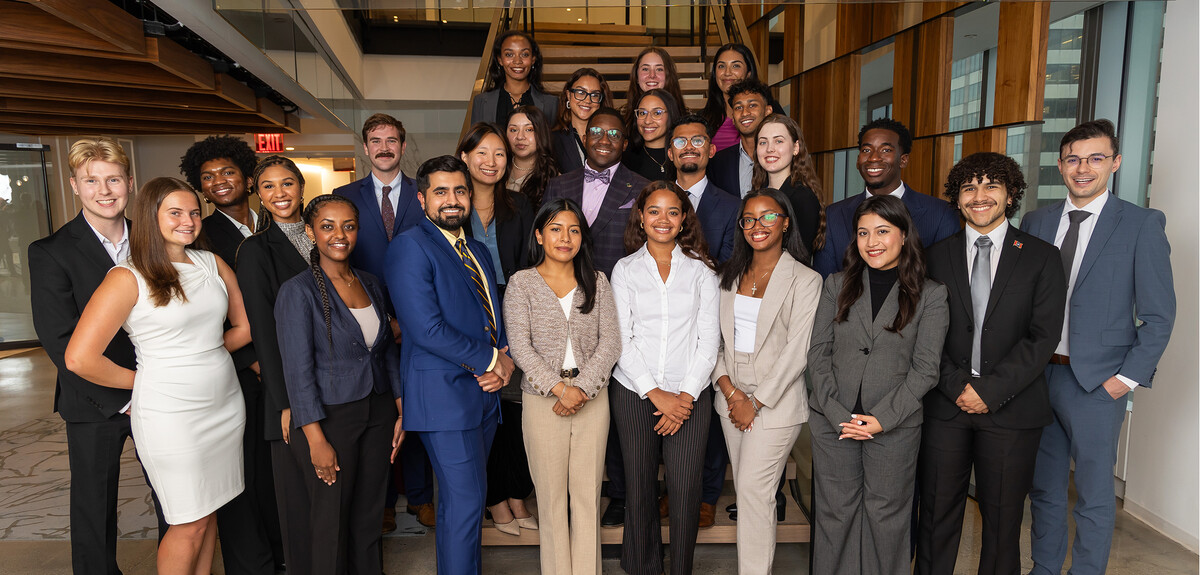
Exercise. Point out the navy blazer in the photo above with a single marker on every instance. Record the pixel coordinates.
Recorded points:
(371, 251)
(718, 213)
(935, 219)
(446, 339)
(608, 231)
(1125, 273)
(723, 170)
(566, 151)
(318, 374)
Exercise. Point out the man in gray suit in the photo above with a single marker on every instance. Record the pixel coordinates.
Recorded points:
(1117, 262)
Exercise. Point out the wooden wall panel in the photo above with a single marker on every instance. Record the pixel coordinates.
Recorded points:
(853, 27)
(935, 9)
(943, 160)
(985, 140)
(793, 39)
(1021, 62)
(825, 167)
(935, 48)
(842, 95)
(759, 38)
(919, 173)
(903, 75)
(815, 107)
(885, 20)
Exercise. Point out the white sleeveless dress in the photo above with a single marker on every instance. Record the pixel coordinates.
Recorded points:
(188, 415)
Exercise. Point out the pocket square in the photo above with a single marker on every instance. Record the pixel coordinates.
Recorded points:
(628, 206)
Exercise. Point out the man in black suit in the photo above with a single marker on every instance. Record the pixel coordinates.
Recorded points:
(65, 269)
(732, 169)
(1007, 295)
(883, 148)
(604, 188)
(220, 168)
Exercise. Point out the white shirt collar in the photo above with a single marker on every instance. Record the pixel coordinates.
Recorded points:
(395, 184)
(118, 251)
(997, 236)
(898, 192)
(697, 189)
(1094, 207)
(246, 232)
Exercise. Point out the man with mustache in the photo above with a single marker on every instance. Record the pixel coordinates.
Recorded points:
(443, 287)
(1007, 291)
(388, 206)
(733, 167)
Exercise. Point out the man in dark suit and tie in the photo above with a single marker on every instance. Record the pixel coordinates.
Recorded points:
(604, 188)
(1007, 291)
(732, 169)
(65, 269)
(1119, 314)
(455, 362)
(220, 168)
(883, 148)
(388, 206)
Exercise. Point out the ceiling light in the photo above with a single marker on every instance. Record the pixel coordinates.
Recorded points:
(290, 148)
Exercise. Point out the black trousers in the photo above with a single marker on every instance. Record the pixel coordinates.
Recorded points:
(344, 518)
(1003, 460)
(683, 456)
(291, 500)
(94, 454)
(507, 466)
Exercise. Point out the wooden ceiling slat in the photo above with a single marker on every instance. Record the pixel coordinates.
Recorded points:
(103, 20)
(170, 56)
(87, 124)
(32, 25)
(101, 96)
(271, 111)
(135, 112)
(22, 64)
(236, 93)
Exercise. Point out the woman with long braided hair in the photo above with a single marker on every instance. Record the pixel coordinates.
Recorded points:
(342, 373)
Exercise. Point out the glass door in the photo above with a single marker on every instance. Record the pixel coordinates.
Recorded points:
(24, 218)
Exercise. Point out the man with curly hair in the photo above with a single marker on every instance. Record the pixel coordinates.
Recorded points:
(219, 167)
(1007, 291)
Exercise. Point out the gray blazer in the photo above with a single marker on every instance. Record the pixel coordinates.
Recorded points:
(773, 371)
(483, 108)
(894, 370)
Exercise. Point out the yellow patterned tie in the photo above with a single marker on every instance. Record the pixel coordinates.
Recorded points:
(477, 277)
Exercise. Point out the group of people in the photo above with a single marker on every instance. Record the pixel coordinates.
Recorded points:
(631, 288)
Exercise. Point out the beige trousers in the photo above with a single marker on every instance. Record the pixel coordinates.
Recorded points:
(759, 460)
(566, 457)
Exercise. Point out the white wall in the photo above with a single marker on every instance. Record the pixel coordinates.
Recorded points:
(419, 78)
(1163, 476)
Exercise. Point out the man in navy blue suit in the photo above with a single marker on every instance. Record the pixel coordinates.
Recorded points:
(454, 358)
(387, 206)
(732, 169)
(883, 148)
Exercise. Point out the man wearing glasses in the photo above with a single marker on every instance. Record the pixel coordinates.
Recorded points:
(1119, 314)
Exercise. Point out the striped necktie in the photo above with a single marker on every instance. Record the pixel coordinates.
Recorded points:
(477, 277)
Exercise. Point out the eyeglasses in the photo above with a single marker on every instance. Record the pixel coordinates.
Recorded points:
(1095, 160)
(642, 113)
(767, 220)
(596, 132)
(581, 94)
(697, 141)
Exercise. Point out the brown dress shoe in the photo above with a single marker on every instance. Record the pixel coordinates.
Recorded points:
(708, 515)
(664, 507)
(389, 520)
(425, 512)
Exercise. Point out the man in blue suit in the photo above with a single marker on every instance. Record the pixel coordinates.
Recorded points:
(454, 359)
(1120, 311)
(715, 208)
(883, 148)
(387, 206)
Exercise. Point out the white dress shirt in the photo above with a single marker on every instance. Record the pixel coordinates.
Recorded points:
(696, 192)
(896, 193)
(393, 194)
(997, 236)
(745, 171)
(246, 232)
(119, 251)
(669, 330)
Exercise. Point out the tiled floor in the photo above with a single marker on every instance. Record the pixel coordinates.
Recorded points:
(34, 540)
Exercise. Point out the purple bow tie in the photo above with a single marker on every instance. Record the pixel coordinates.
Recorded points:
(590, 175)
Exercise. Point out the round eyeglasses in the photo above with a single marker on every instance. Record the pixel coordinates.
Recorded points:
(1096, 161)
(697, 141)
(581, 94)
(767, 220)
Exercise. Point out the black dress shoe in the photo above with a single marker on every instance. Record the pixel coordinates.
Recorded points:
(780, 506)
(731, 508)
(614, 516)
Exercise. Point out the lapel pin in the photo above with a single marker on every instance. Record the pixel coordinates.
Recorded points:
(1017, 244)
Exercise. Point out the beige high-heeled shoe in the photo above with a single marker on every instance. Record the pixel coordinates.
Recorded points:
(527, 523)
(511, 528)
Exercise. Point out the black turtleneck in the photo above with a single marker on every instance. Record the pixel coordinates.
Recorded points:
(881, 282)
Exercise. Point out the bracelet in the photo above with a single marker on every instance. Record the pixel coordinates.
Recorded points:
(754, 404)
(729, 397)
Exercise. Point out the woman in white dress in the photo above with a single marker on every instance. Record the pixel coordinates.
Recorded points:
(187, 412)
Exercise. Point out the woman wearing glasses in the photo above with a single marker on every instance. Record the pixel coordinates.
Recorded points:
(782, 162)
(514, 79)
(653, 115)
(667, 305)
(584, 93)
(768, 301)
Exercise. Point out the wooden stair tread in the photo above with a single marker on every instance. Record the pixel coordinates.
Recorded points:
(582, 39)
(689, 86)
(694, 103)
(560, 53)
(567, 27)
(557, 71)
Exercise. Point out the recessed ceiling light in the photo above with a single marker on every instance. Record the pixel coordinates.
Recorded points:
(290, 148)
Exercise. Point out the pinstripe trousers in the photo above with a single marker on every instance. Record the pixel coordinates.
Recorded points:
(683, 457)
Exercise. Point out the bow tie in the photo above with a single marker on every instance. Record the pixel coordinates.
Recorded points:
(590, 175)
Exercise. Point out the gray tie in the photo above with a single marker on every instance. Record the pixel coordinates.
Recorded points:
(1071, 241)
(981, 288)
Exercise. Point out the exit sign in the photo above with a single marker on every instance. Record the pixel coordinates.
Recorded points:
(268, 143)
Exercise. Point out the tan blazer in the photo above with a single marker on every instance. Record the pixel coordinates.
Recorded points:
(774, 371)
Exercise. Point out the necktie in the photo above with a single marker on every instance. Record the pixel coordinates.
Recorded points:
(590, 175)
(1071, 240)
(389, 216)
(477, 277)
(981, 288)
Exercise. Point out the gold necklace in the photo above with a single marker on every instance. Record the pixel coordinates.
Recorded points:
(662, 166)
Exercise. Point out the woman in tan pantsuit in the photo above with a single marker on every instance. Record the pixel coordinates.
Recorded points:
(563, 334)
(768, 301)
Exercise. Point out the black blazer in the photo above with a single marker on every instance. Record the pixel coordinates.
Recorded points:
(512, 236)
(65, 268)
(223, 238)
(608, 231)
(566, 150)
(718, 213)
(266, 261)
(1021, 329)
(808, 212)
(723, 169)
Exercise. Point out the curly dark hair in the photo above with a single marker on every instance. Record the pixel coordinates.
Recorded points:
(690, 238)
(996, 168)
(890, 125)
(214, 148)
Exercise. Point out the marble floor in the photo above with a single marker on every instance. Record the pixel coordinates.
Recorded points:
(34, 535)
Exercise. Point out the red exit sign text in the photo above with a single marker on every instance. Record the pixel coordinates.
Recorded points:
(268, 143)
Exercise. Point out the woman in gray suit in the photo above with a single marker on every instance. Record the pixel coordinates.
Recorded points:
(514, 79)
(768, 300)
(876, 346)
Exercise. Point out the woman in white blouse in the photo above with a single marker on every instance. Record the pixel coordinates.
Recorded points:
(768, 301)
(667, 300)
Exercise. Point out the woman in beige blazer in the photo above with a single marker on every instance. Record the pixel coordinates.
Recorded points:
(768, 301)
(563, 334)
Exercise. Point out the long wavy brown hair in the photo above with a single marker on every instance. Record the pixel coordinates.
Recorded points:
(545, 166)
(634, 95)
(801, 173)
(148, 249)
(911, 263)
(690, 238)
